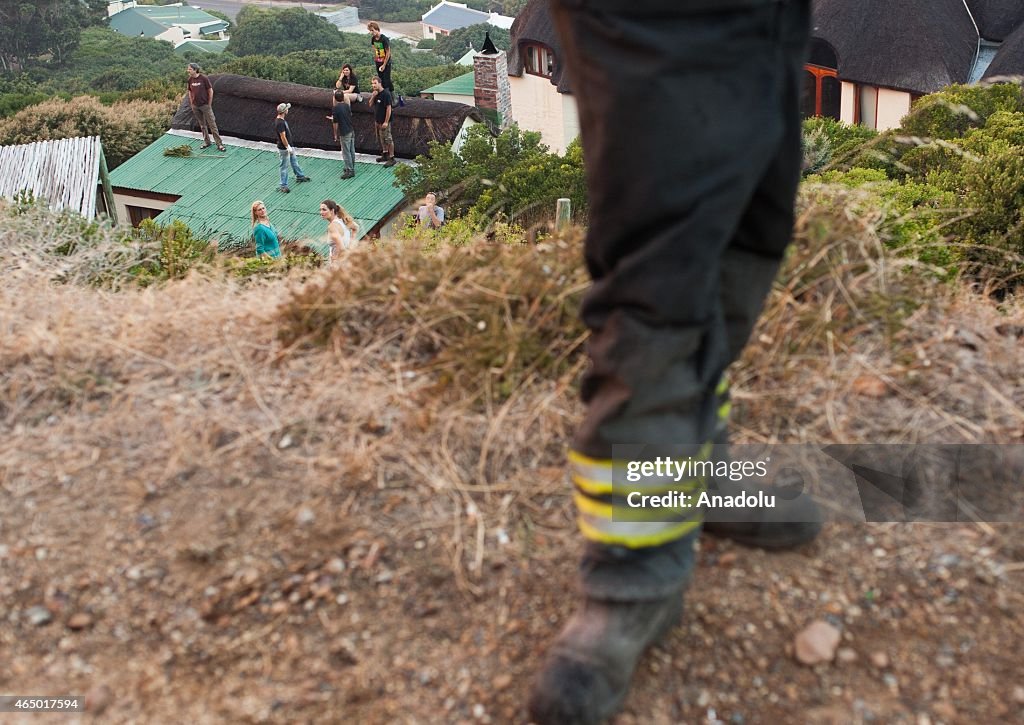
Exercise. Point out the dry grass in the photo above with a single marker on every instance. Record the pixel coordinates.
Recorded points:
(451, 375)
(186, 451)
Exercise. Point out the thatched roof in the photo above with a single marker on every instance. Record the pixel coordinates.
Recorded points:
(1009, 61)
(534, 25)
(912, 45)
(246, 108)
(997, 19)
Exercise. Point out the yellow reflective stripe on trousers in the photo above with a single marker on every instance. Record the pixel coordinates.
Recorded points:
(633, 534)
(604, 510)
(596, 476)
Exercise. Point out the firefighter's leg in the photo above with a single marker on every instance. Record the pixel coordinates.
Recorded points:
(670, 174)
(748, 268)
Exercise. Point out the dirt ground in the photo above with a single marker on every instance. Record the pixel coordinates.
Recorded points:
(201, 525)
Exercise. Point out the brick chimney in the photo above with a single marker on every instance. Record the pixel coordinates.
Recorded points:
(491, 91)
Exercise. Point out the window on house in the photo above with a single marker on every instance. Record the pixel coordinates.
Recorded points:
(820, 95)
(539, 60)
(136, 214)
(867, 106)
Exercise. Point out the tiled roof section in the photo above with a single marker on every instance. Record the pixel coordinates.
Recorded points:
(64, 172)
(452, 17)
(217, 190)
(458, 86)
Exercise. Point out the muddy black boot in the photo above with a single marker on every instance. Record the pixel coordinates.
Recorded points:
(589, 668)
(789, 523)
(794, 519)
(633, 597)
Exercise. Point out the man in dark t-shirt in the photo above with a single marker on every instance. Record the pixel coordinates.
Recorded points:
(200, 97)
(344, 132)
(284, 147)
(382, 115)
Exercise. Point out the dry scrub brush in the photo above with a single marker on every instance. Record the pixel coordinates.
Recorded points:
(433, 393)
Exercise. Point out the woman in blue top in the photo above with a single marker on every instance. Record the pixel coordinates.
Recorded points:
(263, 233)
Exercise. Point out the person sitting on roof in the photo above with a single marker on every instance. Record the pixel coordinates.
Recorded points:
(348, 84)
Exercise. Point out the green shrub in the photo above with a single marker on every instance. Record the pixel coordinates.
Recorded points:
(843, 138)
(909, 217)
(952, 112)
(126, 128)
(995, 199)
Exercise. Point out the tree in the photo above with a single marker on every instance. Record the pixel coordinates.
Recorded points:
(262, 31)
(455, 45)
(49, 27)
(513, 174)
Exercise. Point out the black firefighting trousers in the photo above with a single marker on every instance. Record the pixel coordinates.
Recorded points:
(691, 135)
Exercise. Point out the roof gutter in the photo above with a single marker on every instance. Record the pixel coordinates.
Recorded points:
(977, 52)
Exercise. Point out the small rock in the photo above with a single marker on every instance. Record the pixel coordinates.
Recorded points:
(880, 660)
(870, 386)
(285, 442)
(816, 643)
(79, 620)
(336, 565)
(98, 699)
(1018, 695)
(727, 559)
(38, 615)
(945, 710)
(846, 655)
(305, 516)
(502, 681)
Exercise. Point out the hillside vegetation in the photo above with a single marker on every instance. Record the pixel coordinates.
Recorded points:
(239, 490)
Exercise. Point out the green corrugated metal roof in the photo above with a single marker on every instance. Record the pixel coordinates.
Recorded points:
(147, 18)
(131, 23)
(203, 46)
(458, 86)
(217, 190)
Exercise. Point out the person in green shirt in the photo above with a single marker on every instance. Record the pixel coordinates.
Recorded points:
(263, 233)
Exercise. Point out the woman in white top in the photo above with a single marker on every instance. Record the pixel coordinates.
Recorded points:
(341, 227)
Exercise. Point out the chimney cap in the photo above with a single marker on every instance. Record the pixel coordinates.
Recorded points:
(488, 48)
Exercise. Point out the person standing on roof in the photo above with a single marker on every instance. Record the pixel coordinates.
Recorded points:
(344, 132)
(200, 98)
(381, 56)
(381, 101)
(285, 148)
